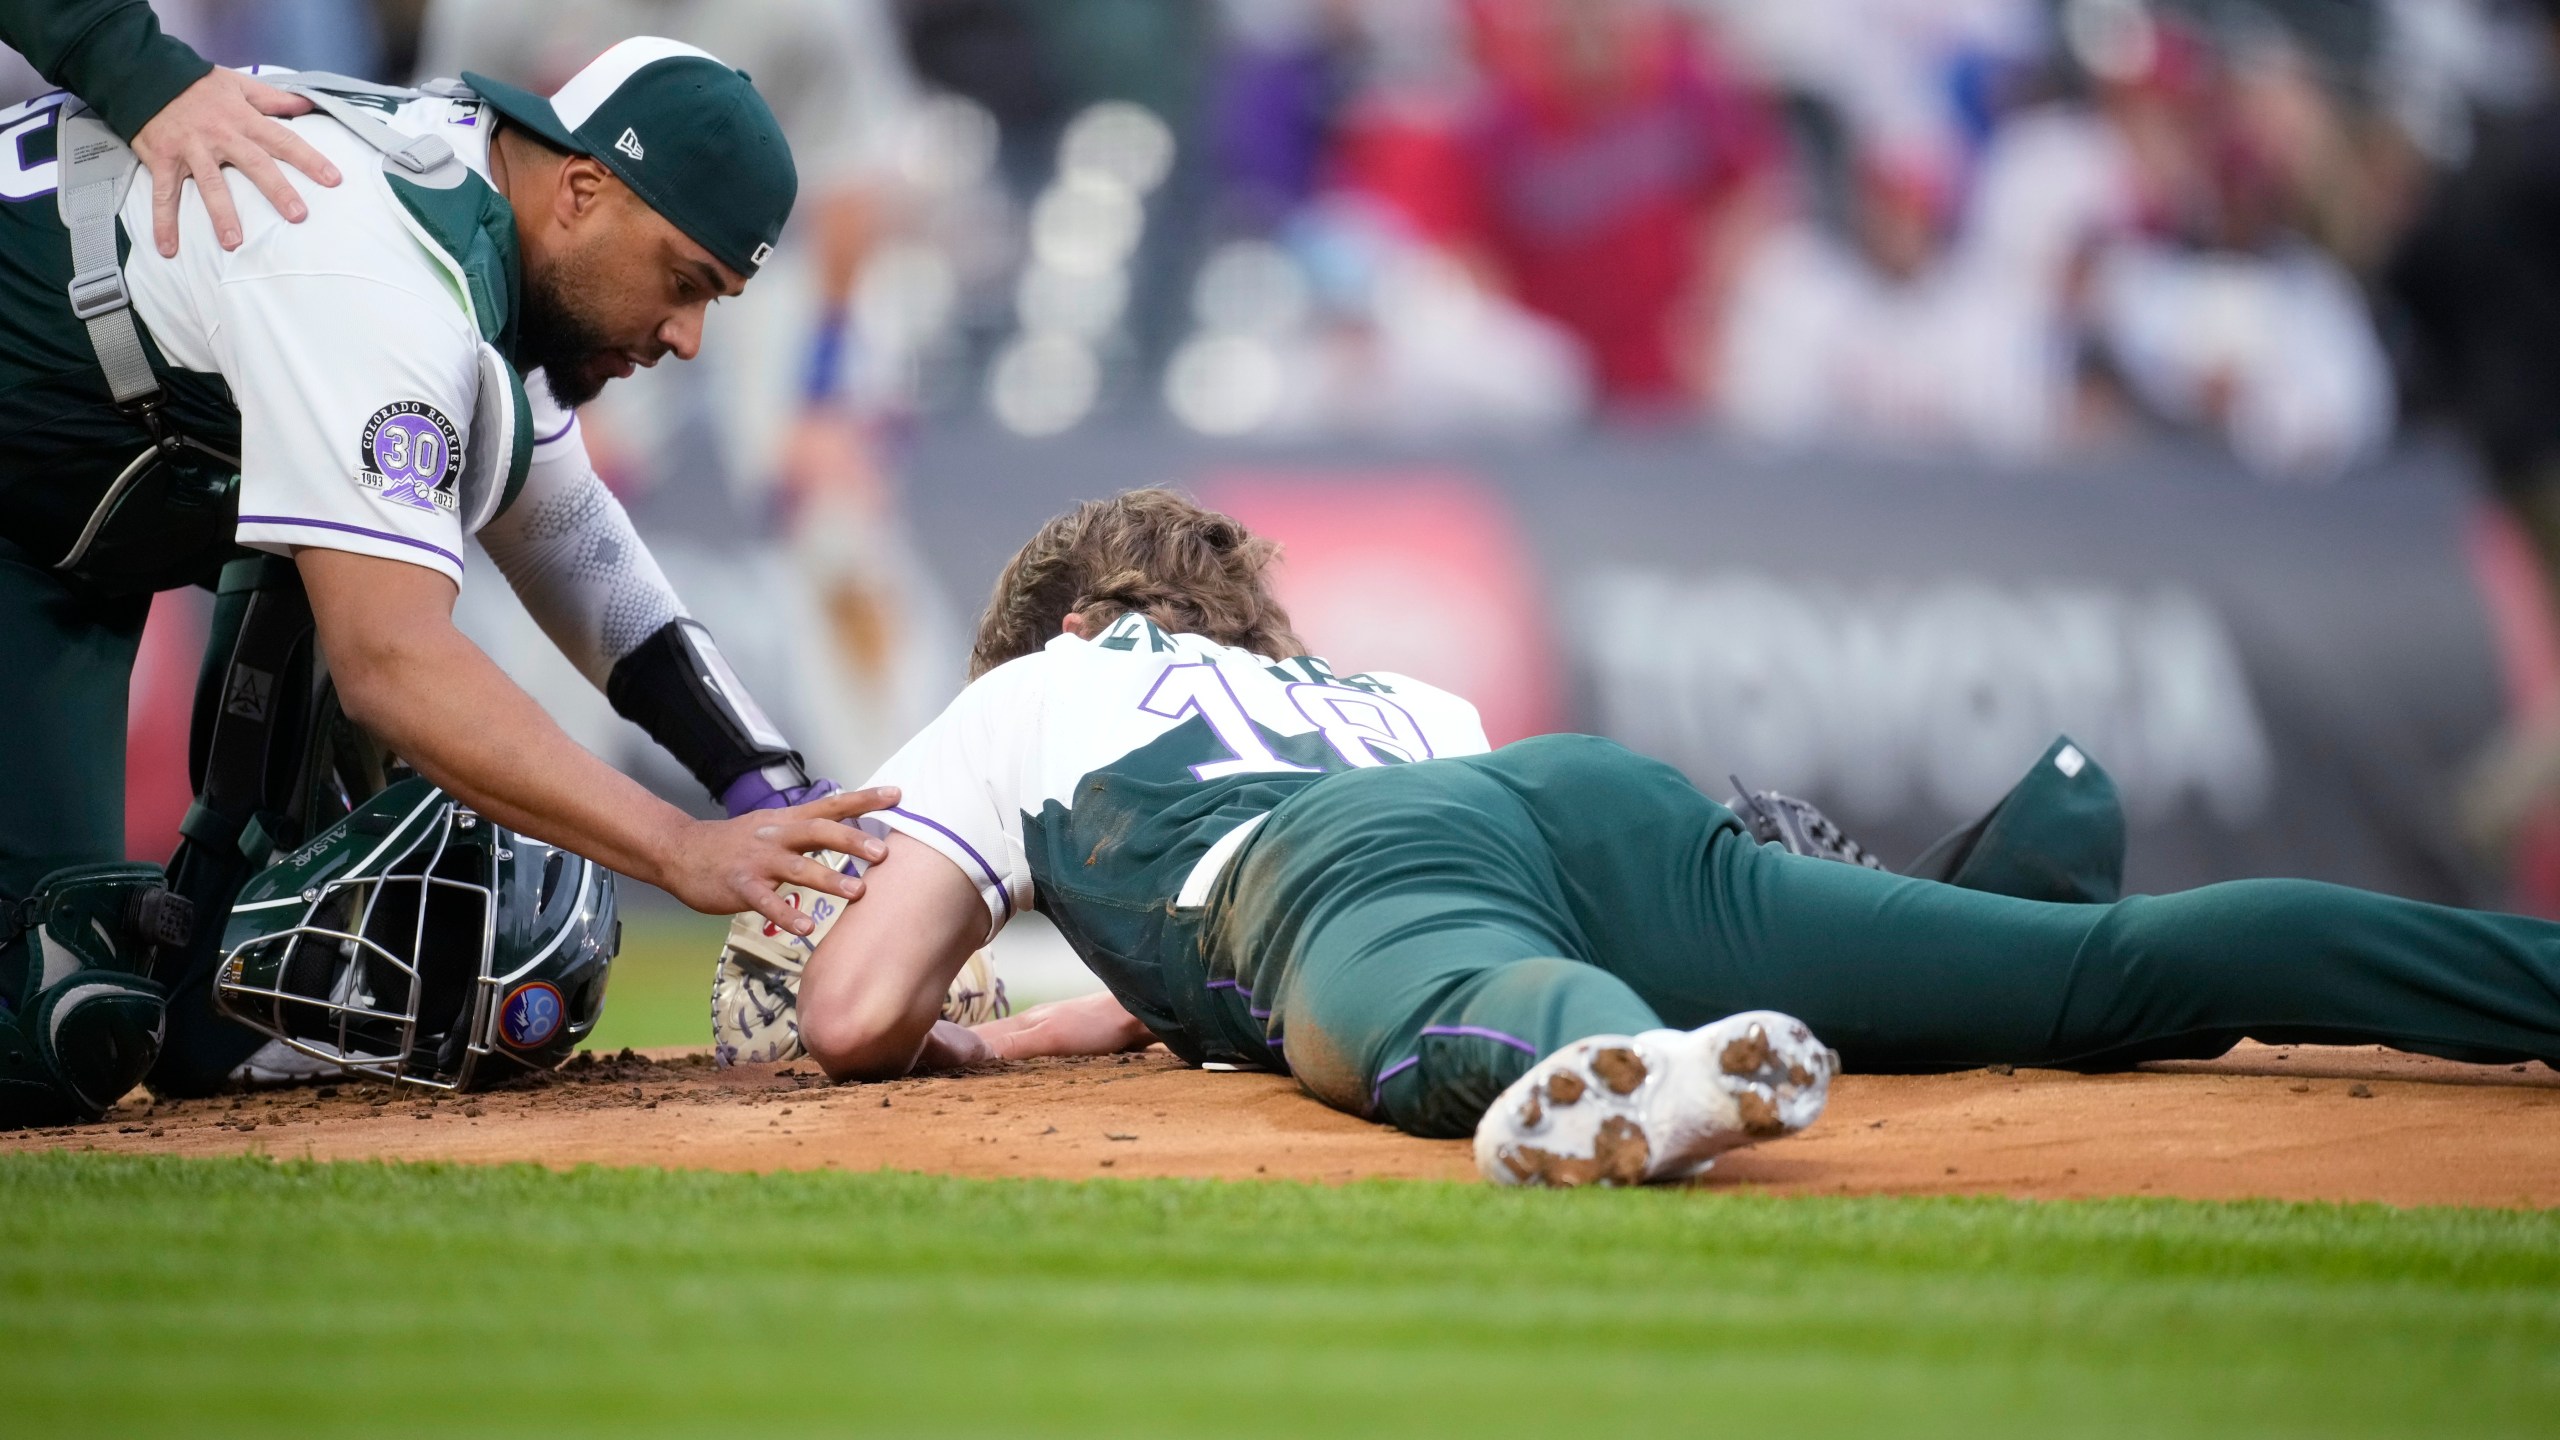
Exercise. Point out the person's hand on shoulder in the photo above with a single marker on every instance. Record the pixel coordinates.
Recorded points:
(226, 118)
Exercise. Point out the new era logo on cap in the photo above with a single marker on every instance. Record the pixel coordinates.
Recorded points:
(717, 165)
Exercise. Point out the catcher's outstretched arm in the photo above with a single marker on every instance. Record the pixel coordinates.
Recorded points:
(871, 995)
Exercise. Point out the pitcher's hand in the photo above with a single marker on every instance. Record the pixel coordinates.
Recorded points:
(221, 120)
(721, 867)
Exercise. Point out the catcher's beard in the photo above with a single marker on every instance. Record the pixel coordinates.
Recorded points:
(560, 336)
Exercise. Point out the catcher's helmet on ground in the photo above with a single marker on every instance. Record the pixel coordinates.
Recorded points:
(415, 940)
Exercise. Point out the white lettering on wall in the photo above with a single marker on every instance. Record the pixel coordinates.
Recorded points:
(1938, 696)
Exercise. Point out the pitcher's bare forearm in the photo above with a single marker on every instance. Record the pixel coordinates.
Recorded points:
(871, 994)
(408, 676)
(1086, 1025)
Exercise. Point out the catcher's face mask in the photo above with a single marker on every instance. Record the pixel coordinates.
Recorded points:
(416, 941)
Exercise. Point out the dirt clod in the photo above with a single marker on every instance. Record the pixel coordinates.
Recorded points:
(2001, 1069)
(1748, 1054)
(1621, 1069)
(2360, 1091)
(1622, 1150)
(1759, 1116)
(1619, 1155)
(1564, 1087)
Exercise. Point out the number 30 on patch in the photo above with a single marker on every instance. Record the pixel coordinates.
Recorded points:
(409, 456)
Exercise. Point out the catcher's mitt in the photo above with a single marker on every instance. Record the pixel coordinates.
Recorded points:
(1773, 818)
(755, 992)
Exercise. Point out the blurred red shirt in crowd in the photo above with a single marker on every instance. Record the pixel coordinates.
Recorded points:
(1609, 145)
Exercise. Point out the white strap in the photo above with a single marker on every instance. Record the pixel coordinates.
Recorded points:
(417, 154)
(97, 169)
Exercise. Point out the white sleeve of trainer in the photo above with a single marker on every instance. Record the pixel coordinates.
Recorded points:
(964, 780)
(568, 549)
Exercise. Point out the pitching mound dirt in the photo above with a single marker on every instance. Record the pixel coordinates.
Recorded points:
(2295, 1123)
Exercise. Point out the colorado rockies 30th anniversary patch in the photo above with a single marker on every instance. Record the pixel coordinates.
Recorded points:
(410, 455)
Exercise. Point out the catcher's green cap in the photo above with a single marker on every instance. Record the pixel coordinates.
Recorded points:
(686, 132)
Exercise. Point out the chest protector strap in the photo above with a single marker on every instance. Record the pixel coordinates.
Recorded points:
(417, 154)
(97, 169)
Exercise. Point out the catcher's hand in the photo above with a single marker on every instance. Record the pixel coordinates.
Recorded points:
(755, 992)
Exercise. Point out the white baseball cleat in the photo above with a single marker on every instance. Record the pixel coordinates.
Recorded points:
(1629, 1109)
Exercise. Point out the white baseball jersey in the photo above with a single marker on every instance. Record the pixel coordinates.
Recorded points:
(347, 341)
(1122, 772)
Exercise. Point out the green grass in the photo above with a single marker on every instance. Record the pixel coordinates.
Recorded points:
(660, 993)
(202, 1298)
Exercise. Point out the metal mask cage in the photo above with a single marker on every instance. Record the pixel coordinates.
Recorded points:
(334, 991)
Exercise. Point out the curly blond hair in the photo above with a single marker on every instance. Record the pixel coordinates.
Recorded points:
(1154, 552)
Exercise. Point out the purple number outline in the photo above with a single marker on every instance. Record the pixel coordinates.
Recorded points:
(1237, 752)
(1339, 695)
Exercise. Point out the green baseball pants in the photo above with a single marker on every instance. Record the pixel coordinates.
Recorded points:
(1414, 937)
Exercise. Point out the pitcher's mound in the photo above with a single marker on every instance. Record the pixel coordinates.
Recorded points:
(2295, 1122)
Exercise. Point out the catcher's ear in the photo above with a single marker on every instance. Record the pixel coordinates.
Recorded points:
(1077, 626)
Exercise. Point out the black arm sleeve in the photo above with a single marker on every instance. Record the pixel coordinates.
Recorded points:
(108, 52)
(678, 686)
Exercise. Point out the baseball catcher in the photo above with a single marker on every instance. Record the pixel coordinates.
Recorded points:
(312, 424)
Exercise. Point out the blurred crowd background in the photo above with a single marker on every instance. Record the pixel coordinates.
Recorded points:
(2015, 228)
(2004, 233)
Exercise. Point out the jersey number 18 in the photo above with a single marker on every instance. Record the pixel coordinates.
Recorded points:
(1363, 728)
